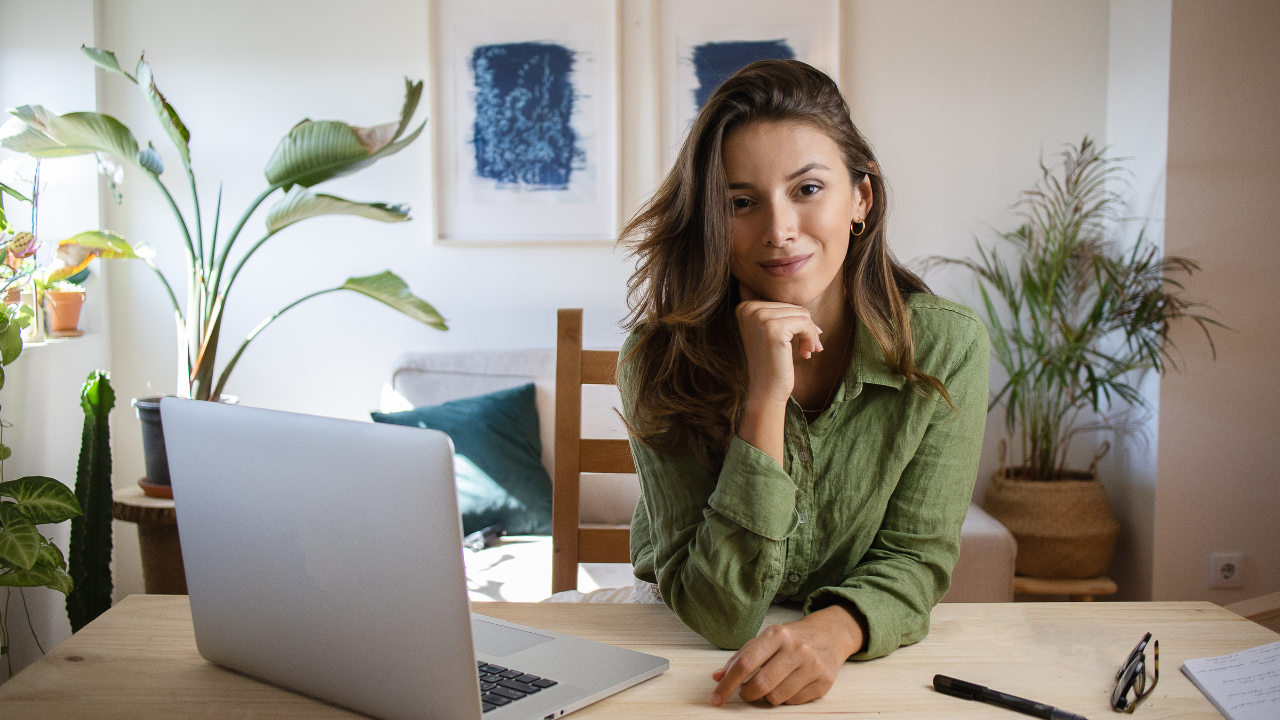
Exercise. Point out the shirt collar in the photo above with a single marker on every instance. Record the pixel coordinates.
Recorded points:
(867, 366)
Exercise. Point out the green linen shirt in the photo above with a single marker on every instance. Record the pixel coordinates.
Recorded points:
(867, 509)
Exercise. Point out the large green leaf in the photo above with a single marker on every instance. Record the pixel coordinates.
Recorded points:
(76, 252)
(19, 540)
(10, 342)
(42, 134)
(301, 204)
(106, 60)
(315, 151)
(41, 499)
(13, 193)
(168, 117)
(51, 556)
(387, 287)
(61, 581)
(31, 577)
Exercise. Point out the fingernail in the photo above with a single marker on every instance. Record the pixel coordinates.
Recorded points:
(715, 699)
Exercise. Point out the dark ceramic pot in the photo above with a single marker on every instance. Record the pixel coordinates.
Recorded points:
(148, 411)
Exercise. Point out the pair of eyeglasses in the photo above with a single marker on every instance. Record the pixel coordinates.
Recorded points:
(1133, 676)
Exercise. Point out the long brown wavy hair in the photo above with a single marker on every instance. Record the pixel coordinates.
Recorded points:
(686, 375)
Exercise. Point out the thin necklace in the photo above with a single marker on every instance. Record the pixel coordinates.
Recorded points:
(844, 362)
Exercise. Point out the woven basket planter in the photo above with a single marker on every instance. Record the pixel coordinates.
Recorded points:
(1064, 528)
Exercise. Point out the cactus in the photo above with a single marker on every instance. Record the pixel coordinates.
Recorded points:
(90, 561)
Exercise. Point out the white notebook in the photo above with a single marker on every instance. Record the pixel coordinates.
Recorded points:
(1243, 685)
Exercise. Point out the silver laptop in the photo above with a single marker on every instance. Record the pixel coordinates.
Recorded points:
(325, 556)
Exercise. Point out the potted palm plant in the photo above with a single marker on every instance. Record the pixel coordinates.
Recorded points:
(311, 153)
(1075, 322)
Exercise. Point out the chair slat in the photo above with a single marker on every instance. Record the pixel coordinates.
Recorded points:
(606, 456)
(598, 367)
(604, 544)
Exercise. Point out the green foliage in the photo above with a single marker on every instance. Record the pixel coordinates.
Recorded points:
(311, 153)
(91, 533)
(1074, 321)
(34, 501)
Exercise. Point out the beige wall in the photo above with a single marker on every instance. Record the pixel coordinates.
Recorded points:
(1218, 484)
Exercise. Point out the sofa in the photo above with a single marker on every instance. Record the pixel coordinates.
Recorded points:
(519, 568)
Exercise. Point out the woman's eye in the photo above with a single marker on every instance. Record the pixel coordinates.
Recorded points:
(809, 189)
(741, 202)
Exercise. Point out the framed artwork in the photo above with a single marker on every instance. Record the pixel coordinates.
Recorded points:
(702, 43)
(526, 120)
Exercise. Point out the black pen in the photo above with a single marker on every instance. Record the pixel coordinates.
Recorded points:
(969, 691)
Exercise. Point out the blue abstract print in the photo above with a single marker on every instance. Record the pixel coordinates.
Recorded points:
(715, 62)
(523, 134)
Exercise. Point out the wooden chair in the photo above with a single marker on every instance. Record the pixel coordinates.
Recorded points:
(573, 542)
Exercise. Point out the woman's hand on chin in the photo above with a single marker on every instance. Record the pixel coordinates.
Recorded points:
(768, 330)
(792, 663)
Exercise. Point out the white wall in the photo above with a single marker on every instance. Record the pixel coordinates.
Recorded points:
(40, 62)
(1138, 130)
(1218, 455)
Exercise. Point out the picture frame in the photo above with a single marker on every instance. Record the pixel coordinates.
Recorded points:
(702, 43)
(526, 115)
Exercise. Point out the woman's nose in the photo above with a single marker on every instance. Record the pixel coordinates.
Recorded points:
(782, 227)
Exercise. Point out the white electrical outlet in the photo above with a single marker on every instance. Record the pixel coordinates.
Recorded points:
(1226, 569)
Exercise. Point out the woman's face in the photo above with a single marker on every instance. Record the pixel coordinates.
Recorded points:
(792, 202)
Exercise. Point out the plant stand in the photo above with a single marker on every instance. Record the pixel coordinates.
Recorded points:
(1082, 590)
(162, 569)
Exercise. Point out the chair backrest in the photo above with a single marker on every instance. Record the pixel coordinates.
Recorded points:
(574, 542)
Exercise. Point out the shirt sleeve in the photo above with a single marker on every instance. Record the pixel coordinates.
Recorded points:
(718, 540)
(908, 566)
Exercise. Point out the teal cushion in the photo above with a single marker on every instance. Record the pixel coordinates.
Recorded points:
(498, 458)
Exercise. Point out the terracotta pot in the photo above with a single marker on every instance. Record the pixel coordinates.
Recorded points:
(1064, 528)
(63, 309)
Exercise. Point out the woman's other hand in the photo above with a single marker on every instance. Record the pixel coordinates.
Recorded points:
(772, 332)
(792, 663)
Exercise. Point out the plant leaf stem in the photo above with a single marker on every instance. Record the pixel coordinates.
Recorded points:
(195, 201)
(216, 280)
(226, 371)
(30, 626)
(213, 237)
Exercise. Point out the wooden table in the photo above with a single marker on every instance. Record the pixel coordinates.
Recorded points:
(139, 661)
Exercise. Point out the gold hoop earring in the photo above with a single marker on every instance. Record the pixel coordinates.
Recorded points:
(862, 227)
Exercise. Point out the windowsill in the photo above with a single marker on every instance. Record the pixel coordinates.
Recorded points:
(51, 341)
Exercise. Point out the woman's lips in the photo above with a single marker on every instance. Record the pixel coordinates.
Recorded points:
(781, 267)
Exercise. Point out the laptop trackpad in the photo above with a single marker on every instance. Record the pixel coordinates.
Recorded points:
(500, 640)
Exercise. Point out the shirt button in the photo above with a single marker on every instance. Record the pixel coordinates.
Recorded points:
(804, 456)
(793, 578)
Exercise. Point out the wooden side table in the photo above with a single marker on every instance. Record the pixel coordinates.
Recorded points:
(162, 570)
(1082, 590)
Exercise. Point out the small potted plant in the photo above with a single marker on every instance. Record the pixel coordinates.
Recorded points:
(62, 303)
(1074, 322)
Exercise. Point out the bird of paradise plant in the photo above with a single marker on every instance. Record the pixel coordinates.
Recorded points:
(311, 153)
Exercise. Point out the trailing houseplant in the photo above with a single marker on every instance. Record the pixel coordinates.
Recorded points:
(27, 557)
(1075, 321)
(311, 153)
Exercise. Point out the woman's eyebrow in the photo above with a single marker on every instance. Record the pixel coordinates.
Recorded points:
(807, 168)
(792, 176)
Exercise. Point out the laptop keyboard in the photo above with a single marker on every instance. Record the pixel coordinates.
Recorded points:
(502, 686)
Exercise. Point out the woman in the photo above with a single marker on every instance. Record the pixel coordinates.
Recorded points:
(806, 418)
